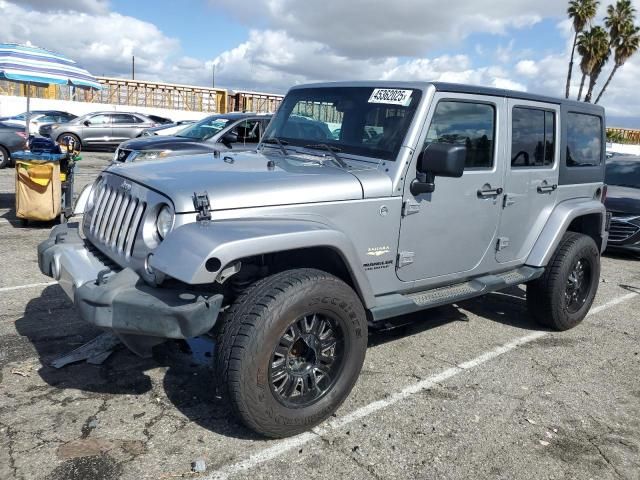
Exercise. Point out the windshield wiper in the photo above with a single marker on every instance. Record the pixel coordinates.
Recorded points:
(332, 150)
(280, 143)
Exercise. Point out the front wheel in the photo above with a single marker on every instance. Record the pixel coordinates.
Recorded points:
(290, 350)
(561, 298)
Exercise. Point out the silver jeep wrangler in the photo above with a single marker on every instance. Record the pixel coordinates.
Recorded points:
(364, 201)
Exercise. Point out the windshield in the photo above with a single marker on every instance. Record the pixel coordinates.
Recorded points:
(204, 129)
(363, 121)
(623, 173)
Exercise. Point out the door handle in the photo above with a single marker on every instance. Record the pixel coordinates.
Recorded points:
(547, 188)
(485, 193)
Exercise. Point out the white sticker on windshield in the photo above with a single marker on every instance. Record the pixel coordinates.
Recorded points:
(391, 95)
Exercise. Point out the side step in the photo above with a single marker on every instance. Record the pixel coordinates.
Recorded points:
(397, 304)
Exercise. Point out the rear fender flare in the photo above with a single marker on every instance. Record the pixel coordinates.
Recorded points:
(557, 225)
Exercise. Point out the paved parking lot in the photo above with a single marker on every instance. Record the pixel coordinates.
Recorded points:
(469, 391)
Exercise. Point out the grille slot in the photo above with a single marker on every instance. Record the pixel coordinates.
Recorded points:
(619, 231)
(117, 218)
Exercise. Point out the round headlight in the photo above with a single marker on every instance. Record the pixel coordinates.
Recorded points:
(164, 222)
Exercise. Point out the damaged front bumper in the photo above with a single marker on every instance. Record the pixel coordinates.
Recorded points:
(120, 300)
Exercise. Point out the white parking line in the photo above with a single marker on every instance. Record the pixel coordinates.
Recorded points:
(29, 285)
(286, 445)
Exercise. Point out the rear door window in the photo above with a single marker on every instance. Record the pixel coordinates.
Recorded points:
(122, 119)
(532, 137)
(584, 140)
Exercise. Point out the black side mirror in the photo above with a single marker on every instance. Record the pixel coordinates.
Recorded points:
(86, 123)
(229, 138)
(438, 160)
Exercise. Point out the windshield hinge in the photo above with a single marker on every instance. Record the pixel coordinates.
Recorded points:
(410, 207)
(405, 258)
(202, 206)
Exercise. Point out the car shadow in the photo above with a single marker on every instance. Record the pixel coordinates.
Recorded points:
(620, 254)
(53, 328)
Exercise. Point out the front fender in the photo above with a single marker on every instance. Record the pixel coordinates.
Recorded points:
(558, 223)
(184, 253)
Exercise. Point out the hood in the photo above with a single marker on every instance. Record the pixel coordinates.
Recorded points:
(242, 180)
(623, 199)
(157, 142)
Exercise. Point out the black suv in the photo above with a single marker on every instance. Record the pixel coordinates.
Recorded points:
(623, 202)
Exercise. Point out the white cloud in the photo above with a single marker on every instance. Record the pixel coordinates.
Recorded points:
(102, 41)
(368, 29)
(293, 42)
(528, 68)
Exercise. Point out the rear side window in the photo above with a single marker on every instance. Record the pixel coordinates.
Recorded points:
(465, 123)
(584, 140)
(124, 119)
(532, 137)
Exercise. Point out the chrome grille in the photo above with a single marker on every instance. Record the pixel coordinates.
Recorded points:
(620, 230)
(117, 216)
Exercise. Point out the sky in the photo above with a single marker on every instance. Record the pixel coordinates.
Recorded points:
(270, 45)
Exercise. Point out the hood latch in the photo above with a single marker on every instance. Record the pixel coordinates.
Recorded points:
(202, 206)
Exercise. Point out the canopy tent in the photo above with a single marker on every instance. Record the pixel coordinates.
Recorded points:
(37, 66)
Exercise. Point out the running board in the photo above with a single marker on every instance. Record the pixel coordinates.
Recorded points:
(397, 304)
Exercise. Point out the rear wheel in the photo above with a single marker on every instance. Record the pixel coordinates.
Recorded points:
(71, 140)
(290, 350)
(561, 298)
(4, 157)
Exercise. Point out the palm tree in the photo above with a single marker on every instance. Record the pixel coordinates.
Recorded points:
(625, 36)
(618, 18)
(593, 46)
(581, 12)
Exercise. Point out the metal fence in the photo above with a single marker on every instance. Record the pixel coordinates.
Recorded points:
(623, 135)
(137, 93)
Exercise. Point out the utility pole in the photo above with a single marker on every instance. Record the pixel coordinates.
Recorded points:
(133, 67)
(213, 76)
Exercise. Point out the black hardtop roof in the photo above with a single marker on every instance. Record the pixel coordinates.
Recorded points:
(461, 88)
(499, 92)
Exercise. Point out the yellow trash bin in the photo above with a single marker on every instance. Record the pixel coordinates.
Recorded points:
(38, 190)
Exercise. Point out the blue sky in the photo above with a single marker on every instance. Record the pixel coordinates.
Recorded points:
(269, 45)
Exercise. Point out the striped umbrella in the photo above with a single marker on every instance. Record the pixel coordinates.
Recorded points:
(37, 66)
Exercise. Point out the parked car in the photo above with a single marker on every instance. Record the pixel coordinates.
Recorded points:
(288, 254)
(12, 139)
(232, 131)
(101, 129)
(168, 128)
(38, 119)
(623, 202)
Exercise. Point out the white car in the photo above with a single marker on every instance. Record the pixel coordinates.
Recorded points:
(38, 119)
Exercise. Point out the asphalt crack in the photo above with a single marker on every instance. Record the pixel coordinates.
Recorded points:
(91, 422)
(10, 450)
